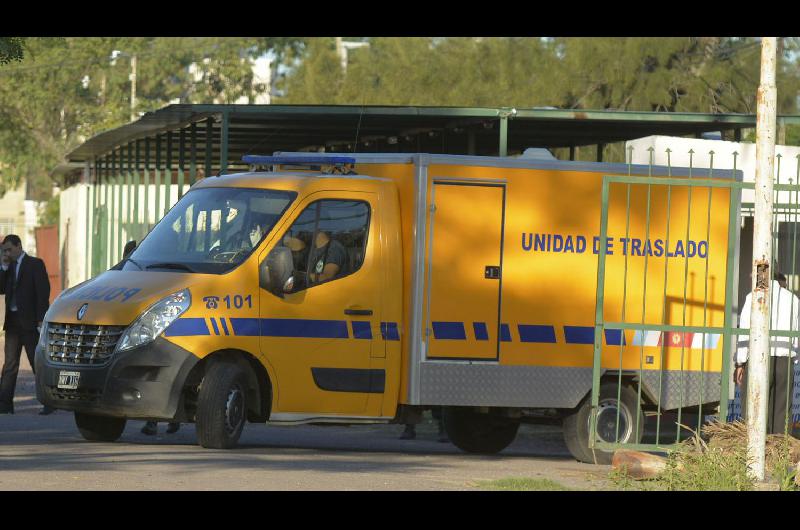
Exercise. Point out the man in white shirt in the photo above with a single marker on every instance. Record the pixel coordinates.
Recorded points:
(785, 313)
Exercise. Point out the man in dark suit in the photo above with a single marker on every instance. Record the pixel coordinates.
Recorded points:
(24, 282)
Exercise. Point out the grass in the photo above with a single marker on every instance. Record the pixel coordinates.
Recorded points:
(783, 470)
(712, 470)
(522, 484)
(720, 464)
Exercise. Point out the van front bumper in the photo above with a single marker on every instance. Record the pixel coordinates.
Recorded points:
(142, 383)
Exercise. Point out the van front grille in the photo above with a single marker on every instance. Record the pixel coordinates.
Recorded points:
(81, 344)
(76, 394)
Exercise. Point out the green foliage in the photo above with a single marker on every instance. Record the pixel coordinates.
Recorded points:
(792, 135)
(684, 74)
(710, 470)
(784, 471)
(50, 211)
(522, 484)
(424, 71)
(621, 481)
(690, 468)
(11, 49)
(55, 93)
(66, 90)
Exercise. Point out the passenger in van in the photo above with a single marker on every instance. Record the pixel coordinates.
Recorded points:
(325, 261)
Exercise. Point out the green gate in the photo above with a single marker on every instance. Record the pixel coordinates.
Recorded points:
(672, 370)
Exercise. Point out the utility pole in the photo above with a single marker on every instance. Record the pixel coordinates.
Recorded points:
(131, 77)
(758, 362)
(133, 87)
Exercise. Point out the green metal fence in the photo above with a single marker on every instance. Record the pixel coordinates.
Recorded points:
(650, 393)
(131, 191)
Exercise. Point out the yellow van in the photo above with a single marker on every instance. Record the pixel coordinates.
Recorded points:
(362, 289)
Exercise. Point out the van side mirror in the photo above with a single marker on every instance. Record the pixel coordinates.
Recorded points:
(276, 272)
(130, 246)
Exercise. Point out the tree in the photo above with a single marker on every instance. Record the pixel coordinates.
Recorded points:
(11, 49)
(424, 71)
(717, 75)
(66, 90)
(687, 74)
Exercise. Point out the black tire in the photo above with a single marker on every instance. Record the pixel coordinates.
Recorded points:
(474, 432)
(99, 428)
(221, 406)
(576, 425)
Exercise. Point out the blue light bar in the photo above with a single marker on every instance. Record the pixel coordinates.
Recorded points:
(258, 160)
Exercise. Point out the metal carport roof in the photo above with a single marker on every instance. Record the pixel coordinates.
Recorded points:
(220, 135)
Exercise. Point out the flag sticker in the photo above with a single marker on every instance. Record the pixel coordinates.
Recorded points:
(647, 338)
(708, 341)
(676, 339)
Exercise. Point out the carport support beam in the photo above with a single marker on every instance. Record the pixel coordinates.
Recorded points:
(87, 178)
(223, 144)
(193, 157)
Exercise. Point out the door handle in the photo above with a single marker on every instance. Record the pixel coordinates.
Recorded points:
(360, 312)
(492, 272)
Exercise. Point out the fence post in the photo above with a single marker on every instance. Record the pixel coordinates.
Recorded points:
(758, 360)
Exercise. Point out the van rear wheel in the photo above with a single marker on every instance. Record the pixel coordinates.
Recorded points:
(99, 428)
(221, 406)
(629, 429)
(474, 432)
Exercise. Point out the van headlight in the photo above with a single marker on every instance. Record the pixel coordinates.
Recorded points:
(155, 320)
(43, 336)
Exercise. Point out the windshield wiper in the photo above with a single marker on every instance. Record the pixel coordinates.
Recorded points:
(135, 263)
(179, 266)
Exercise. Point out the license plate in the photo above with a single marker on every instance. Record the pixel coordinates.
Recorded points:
(68, 380)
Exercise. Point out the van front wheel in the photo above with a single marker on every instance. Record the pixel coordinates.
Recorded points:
(474, 432)
(99, 428)
(221, 406)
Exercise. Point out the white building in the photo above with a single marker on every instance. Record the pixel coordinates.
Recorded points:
(19, 216)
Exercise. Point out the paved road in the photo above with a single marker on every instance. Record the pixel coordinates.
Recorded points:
(47, 452)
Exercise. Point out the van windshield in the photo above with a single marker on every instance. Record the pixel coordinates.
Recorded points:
(210, 230)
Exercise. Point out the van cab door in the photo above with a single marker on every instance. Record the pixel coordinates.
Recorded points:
(319, 332)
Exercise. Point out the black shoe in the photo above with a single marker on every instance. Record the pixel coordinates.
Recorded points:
(46, 410)
(173, 427)
(150, 428)
(409, 434)
(6, 409)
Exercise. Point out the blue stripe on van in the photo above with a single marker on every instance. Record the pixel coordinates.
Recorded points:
(246, 327)
(214, 323)
(183, 327)
(481, 333)
(224, 326)
(615, 337)
(361, 330)
(536, 333)
(389, 331)
(579, 334)
(449, 331)
(291, 327)
(505, 333)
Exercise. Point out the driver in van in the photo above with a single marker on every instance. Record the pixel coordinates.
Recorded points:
(246, 237)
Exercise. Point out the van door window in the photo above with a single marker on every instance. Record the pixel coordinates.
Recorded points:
(338, 230)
